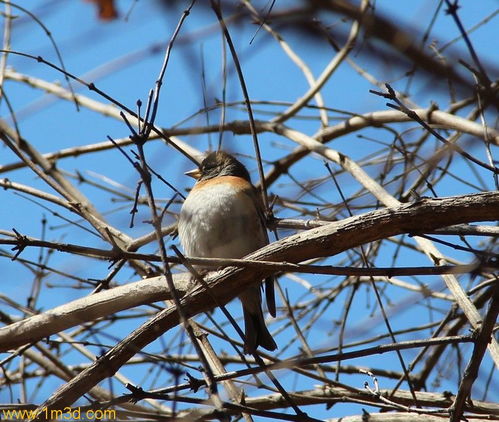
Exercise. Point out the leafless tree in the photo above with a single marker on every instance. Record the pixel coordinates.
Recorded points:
(382, 219)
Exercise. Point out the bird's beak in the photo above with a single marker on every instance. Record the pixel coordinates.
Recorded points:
(195, 173)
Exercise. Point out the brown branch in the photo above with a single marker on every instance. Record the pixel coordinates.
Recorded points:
(438, 118)
(471, 372)
(328, 240)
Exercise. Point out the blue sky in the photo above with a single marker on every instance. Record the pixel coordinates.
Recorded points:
(123, 58)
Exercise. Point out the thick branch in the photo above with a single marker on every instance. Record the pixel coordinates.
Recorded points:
(328, 240)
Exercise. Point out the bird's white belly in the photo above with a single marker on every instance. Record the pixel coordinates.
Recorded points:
(220, 222)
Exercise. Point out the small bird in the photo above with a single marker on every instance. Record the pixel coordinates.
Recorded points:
(222, 217)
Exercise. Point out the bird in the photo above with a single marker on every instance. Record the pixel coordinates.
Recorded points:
(222, 217)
